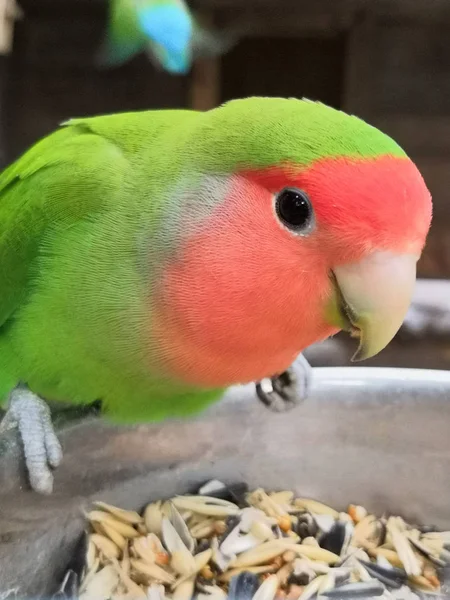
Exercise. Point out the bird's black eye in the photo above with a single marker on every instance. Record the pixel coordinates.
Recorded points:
(294, 209)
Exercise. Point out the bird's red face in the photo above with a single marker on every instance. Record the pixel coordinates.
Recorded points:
(286, 258)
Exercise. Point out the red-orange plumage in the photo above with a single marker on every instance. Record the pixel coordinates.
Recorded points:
(261, 289)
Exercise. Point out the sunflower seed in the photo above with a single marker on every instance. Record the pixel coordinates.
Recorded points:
(356, 591)
(338, 537)
(291, 548)
(234, 492)
(392, 577)
(181, 528)
(427, 552)
(243, 586)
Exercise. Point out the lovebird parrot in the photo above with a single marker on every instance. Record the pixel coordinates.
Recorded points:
(149, 260)
(165, 29)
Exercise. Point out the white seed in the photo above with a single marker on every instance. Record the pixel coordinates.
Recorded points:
(327, 583)
(105, 546)
(143, 550)
(213, 592)
(113, 535)
(315, 553)
(228, 575)
(91, 554)
(185, 590)
(131, 587)
(324, 522)
(268, 589)
(317, 508)
(181, 528)
(152, 571)
(310, 541)
(182, 562)
(312, 588)
(90, 574)
(204, 531)
(204, 505)
(155, 592)
(260, 499)
(262, 531)
(443, 536)
(102, 585)
(153, 518)
(127, 516)
(367, 533)
(356, 512)
(402, 546)
(171, 538)
(101, 517)
(237, 544)
(200, 560)
(259, 555)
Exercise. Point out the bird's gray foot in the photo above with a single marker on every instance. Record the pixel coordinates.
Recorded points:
(42, 449)
(287, 390)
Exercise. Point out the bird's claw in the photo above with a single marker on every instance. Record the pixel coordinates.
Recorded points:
(42, 449)
(284, 392)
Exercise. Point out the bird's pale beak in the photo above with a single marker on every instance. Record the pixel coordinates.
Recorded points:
(372, 298)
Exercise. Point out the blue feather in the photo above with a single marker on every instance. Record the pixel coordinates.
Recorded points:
(171, 28)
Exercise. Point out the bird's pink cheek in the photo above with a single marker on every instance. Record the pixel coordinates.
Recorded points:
(241, 301)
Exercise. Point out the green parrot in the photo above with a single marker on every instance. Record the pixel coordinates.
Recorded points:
(150, 260)
(165, 29)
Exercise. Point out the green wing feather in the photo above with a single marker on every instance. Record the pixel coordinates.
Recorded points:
(124, 37)
(73, 303)
(31, 201)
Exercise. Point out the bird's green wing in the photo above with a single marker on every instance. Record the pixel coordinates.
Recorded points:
(124, 37)
(63, 178)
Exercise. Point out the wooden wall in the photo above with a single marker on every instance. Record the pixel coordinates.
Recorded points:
(398, 78)
(52, 74)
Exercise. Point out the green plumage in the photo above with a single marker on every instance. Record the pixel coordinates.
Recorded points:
(84, 217)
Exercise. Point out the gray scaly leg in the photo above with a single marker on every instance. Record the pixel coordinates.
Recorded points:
(284, 392)
(42, 449)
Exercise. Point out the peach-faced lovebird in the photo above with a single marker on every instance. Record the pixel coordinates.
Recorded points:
(151, 259)
(165, 29)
